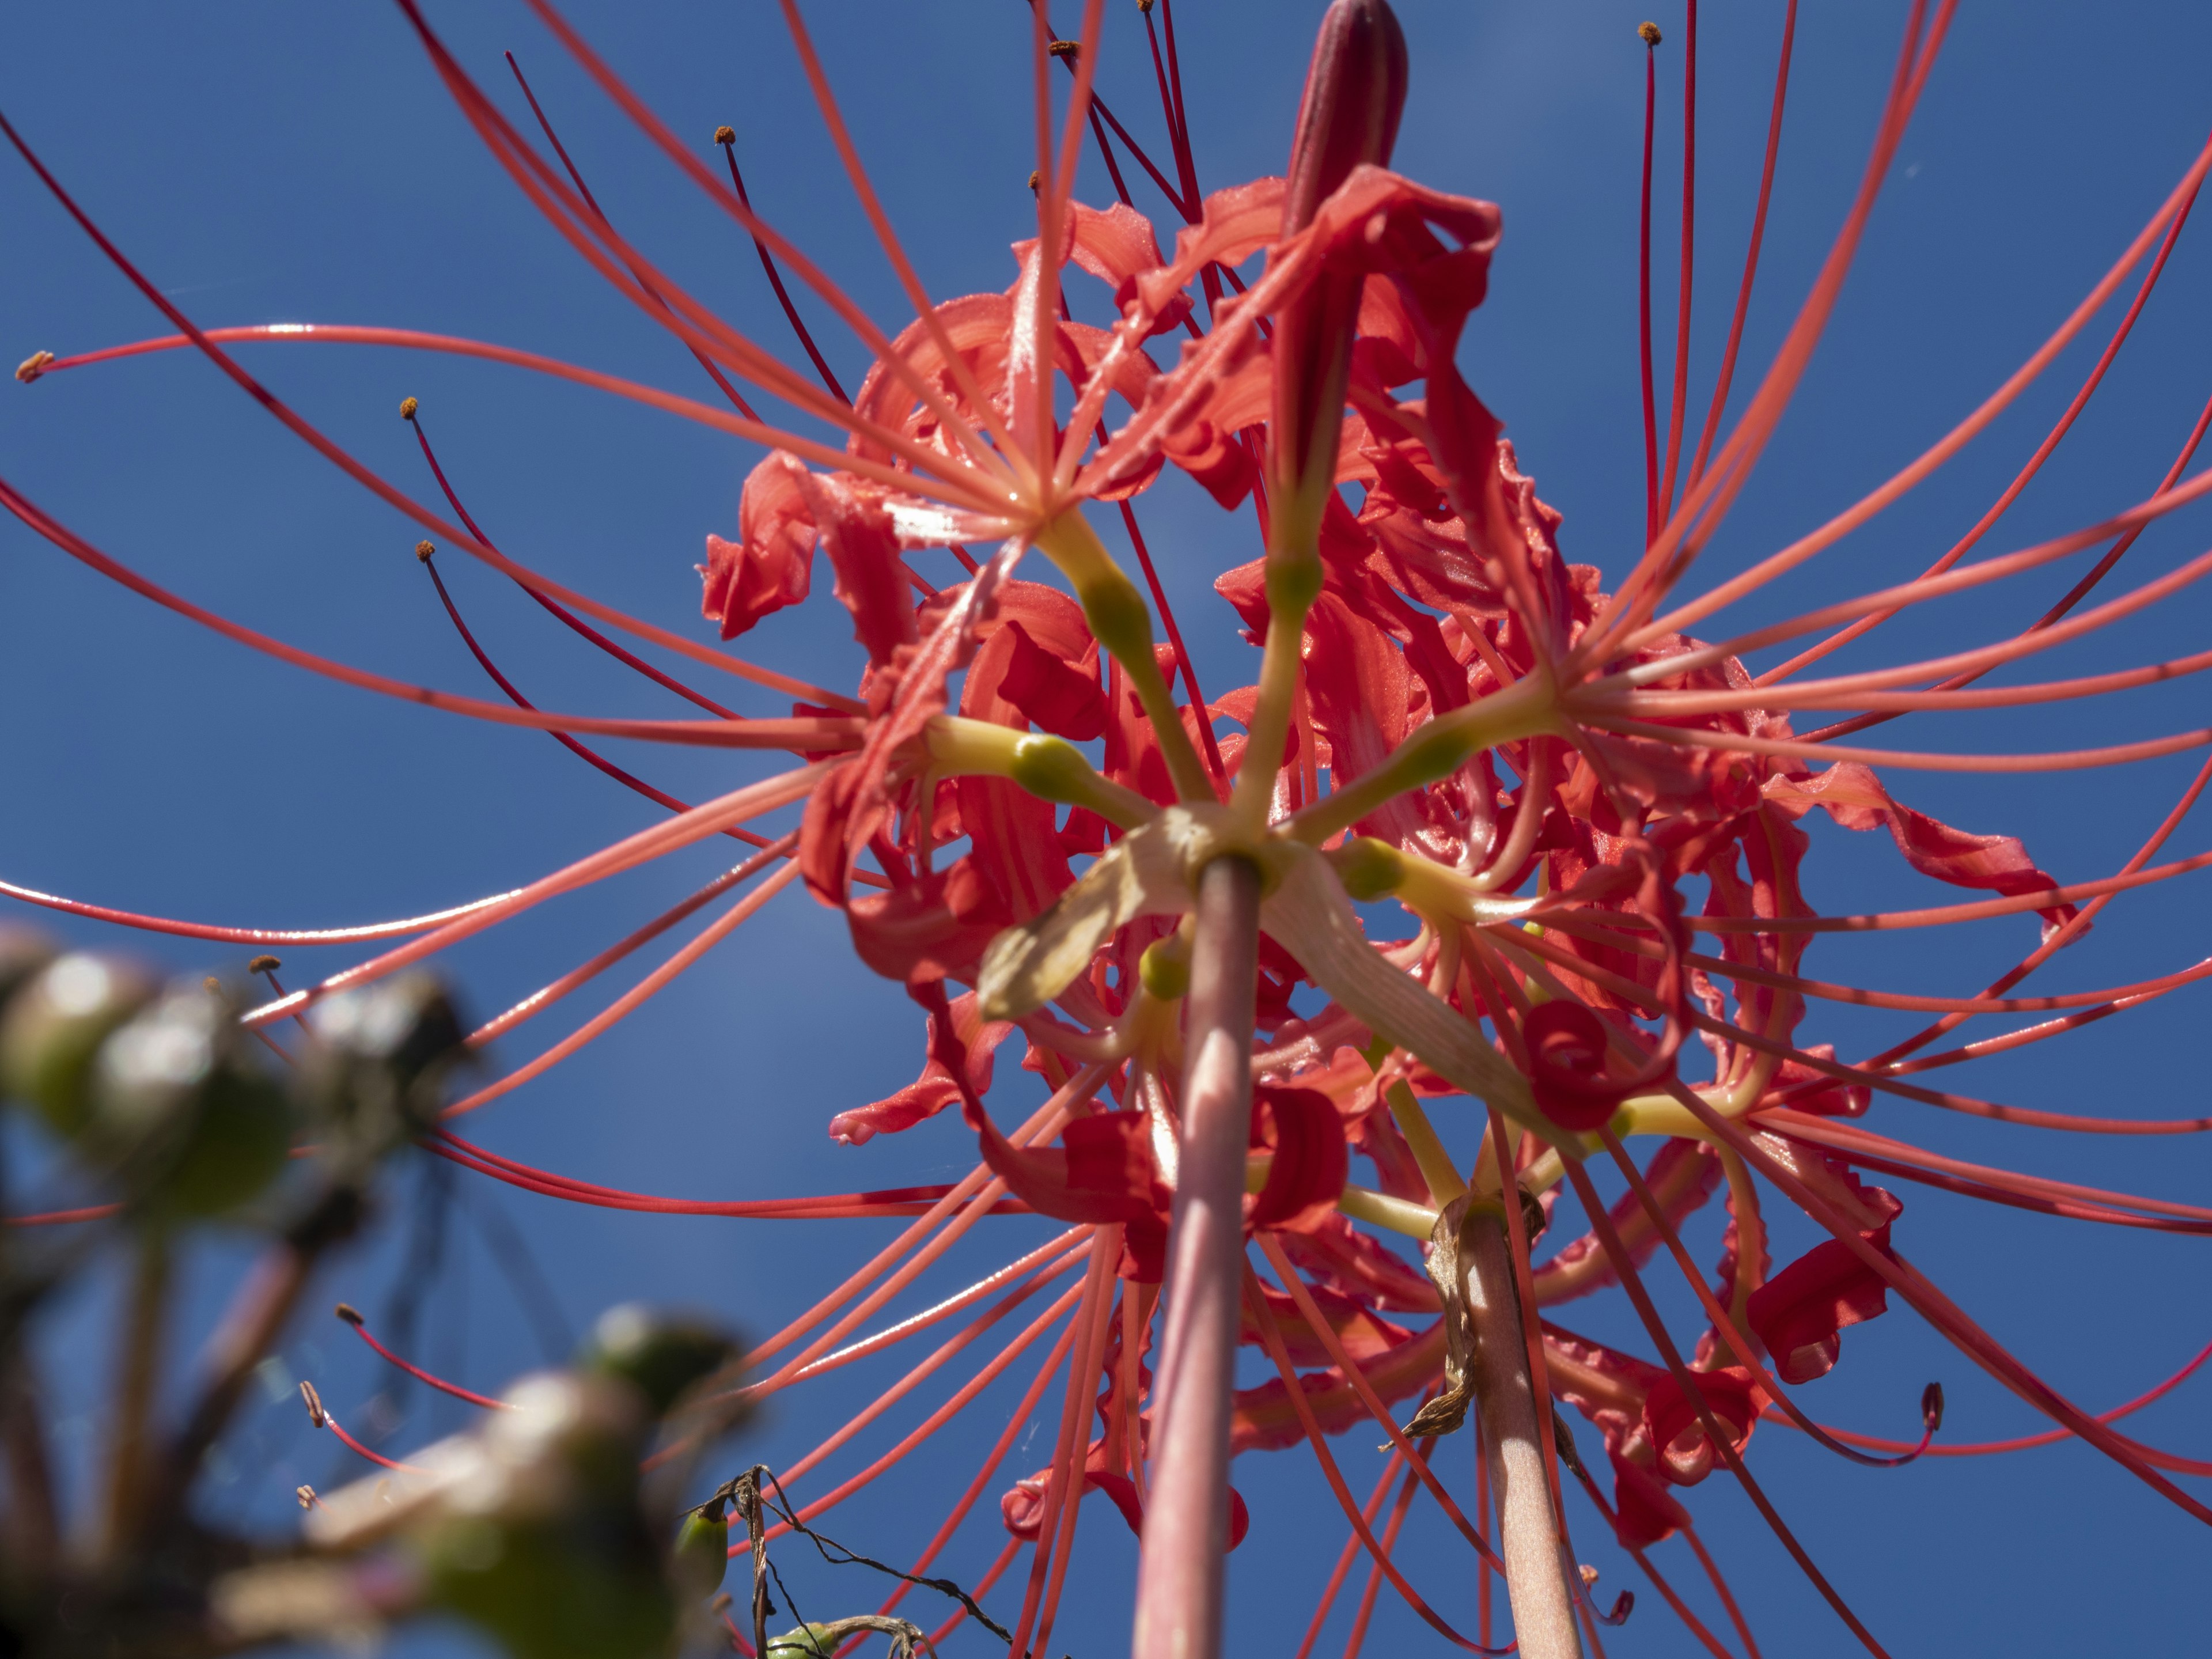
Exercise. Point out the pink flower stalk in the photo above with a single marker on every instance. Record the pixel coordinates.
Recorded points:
(1543, 765)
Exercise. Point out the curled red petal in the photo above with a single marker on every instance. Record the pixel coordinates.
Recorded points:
(1677, 1433)
(1307, 1173)
(771, 565)
(1645, 1512)
(1566, 1064)
(1798, 1313)
(930, 928)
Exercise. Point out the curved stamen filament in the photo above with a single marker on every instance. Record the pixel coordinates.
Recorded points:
(809, 733)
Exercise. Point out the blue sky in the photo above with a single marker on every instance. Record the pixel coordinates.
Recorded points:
(271, 163)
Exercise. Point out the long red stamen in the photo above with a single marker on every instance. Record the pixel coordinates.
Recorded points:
(546, 995)
(1061, 1252)
(638, 995)
(170, 925)
(891, 1202)
(751, 801)
(2072, 597)
(717, 734)
(1632, 1281)
(346, 463)
(775, 277)
(1344, 1559)
(1721, 1589)
(1682, 300)
(1719, 487)
(1701, 514)
(1690, 1620)
(2011, 493)
(1357, 1637)
(2050, 1437)
(1339, 1357)
(1726, 375)
(620, 653)
(1023, 1410)
(950, 1408)
(1724, 1324)
(936, 1361)
(1651, 34)
(351, 1316)
(583, 751)
(1964, 1333)
(585, 191)
(1271, 1338)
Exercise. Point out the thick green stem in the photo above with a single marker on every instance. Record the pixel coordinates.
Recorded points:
(1051, 769)
(1435, 750)
(1120, 622)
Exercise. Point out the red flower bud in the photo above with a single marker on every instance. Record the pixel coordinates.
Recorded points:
(1355, 92)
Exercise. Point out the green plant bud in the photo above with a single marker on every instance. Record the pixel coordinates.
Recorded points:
(660, 1355)
(1369, 869)
(194, 1129)
(543, 1543)
(548, 1592)
(1117, 616)
(381, 1057)
(1053, 768)
(406, 1025)
(54, 1026)
(806, 1641)
(702, 1555)
(23, 952)
(1164, 970)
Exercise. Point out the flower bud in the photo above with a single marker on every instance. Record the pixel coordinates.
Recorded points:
(1355, 92)
(193, 1130)
(380, 1055)
(701, 1554)
(542, 1544)
(660, 1355)
(54, 1026)
(23, 952)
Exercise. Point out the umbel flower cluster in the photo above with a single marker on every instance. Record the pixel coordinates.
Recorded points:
(1497, 852)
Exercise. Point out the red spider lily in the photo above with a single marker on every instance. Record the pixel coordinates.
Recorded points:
(1420, 649)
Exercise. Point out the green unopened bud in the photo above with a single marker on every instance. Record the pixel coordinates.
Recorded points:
(1370, 869)
(701, 1554)
(661, 1355)
(1117, 616)
(1053, 768)
(193, 1130)
(55, 1025)
(806, 1641)
(1164, 970)
(23, 952)
(379, 1060)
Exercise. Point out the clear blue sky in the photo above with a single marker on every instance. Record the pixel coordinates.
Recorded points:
(269, 162)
